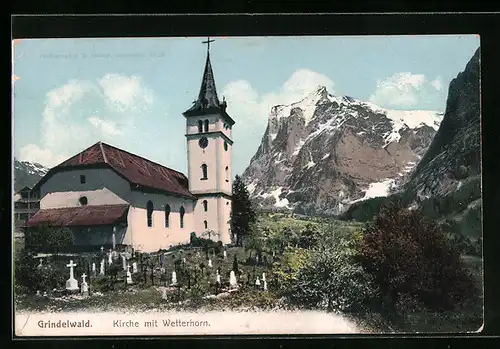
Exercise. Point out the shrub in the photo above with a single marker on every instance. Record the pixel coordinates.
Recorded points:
(308, 237)
(206, 244)
(286, 270)
(30, 278)
(409, 256)
(48, 239)
(332, 280)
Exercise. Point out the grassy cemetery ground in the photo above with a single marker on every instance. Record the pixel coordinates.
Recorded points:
(281, 250)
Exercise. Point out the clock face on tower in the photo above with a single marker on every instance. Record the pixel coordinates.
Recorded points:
(203, 142)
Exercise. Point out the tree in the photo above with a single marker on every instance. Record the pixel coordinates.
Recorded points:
(48, 239)
(411, 258)
(235, 264)
(243, 216)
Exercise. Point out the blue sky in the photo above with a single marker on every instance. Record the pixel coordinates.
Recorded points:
(131, 92)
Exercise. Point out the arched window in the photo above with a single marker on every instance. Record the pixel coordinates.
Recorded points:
(181, 212)
(205, 205)
(167, 215)
(204, 171)
(206, 224)
(206, 125)
(225, 146)
(83, 200)
(200, 126)
(227, 174)
(150, 208)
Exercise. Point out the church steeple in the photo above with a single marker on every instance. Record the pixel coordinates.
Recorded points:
(207, 97)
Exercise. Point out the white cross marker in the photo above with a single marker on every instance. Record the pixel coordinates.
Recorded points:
(71, 265)
(83, 277)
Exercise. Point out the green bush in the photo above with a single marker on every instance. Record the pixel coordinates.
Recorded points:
(410, 257)
(331, 279)
(48, 239)
(286, 270)
(30, 278)
(308, 237)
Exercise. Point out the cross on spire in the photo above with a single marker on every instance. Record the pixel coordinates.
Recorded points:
(208, 41)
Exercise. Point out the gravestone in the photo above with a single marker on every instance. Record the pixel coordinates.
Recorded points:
(174, 278)
(225, 254)
(217, 278)
(102, 249)
(85, 286)
(40, 263)
(71, 283)
(263, 276)
(110, 258)
(124, 262)
(265, 285)
(102, 267)
(209, 263)
(134, 267)
(129, 276)
(257, 282)
(114, 238)
(232, 279)
(93, 269)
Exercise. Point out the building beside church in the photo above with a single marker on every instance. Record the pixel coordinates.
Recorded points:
(26, 204)
(108, 196)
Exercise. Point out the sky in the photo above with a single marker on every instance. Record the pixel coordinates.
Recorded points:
(131, 92)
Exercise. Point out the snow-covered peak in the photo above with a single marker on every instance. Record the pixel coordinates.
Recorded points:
(31, 167)
(306, 104)
(411, 118)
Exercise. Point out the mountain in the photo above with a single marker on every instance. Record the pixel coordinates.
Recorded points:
(322, 153)
(27, 174)
(446, 183)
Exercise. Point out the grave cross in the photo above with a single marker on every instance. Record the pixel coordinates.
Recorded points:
(71, 265)
(83, 277)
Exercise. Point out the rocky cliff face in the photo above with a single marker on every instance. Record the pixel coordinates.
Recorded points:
(319, 155)
(446, 183)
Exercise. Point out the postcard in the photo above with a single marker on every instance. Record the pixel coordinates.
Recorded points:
(247, 185)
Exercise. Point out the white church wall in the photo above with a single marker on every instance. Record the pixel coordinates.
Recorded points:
(95, 179)
(210, 215)
(225, 229)
(224, 159)
(158, 236)
(71, 198)
(199, 156)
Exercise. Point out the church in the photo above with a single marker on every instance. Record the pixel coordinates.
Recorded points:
(109, 197)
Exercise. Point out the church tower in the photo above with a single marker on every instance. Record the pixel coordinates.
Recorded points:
(208, 133)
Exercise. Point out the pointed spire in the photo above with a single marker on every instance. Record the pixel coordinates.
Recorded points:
(208, 93)
(207, 97)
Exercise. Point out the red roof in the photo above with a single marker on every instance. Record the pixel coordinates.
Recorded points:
(78, 216)
(134, 168)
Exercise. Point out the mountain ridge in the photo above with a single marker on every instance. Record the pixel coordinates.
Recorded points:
(446, 183)
(291, 151)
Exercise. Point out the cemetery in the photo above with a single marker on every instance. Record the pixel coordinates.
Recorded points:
(285, 264)
(186, 277)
